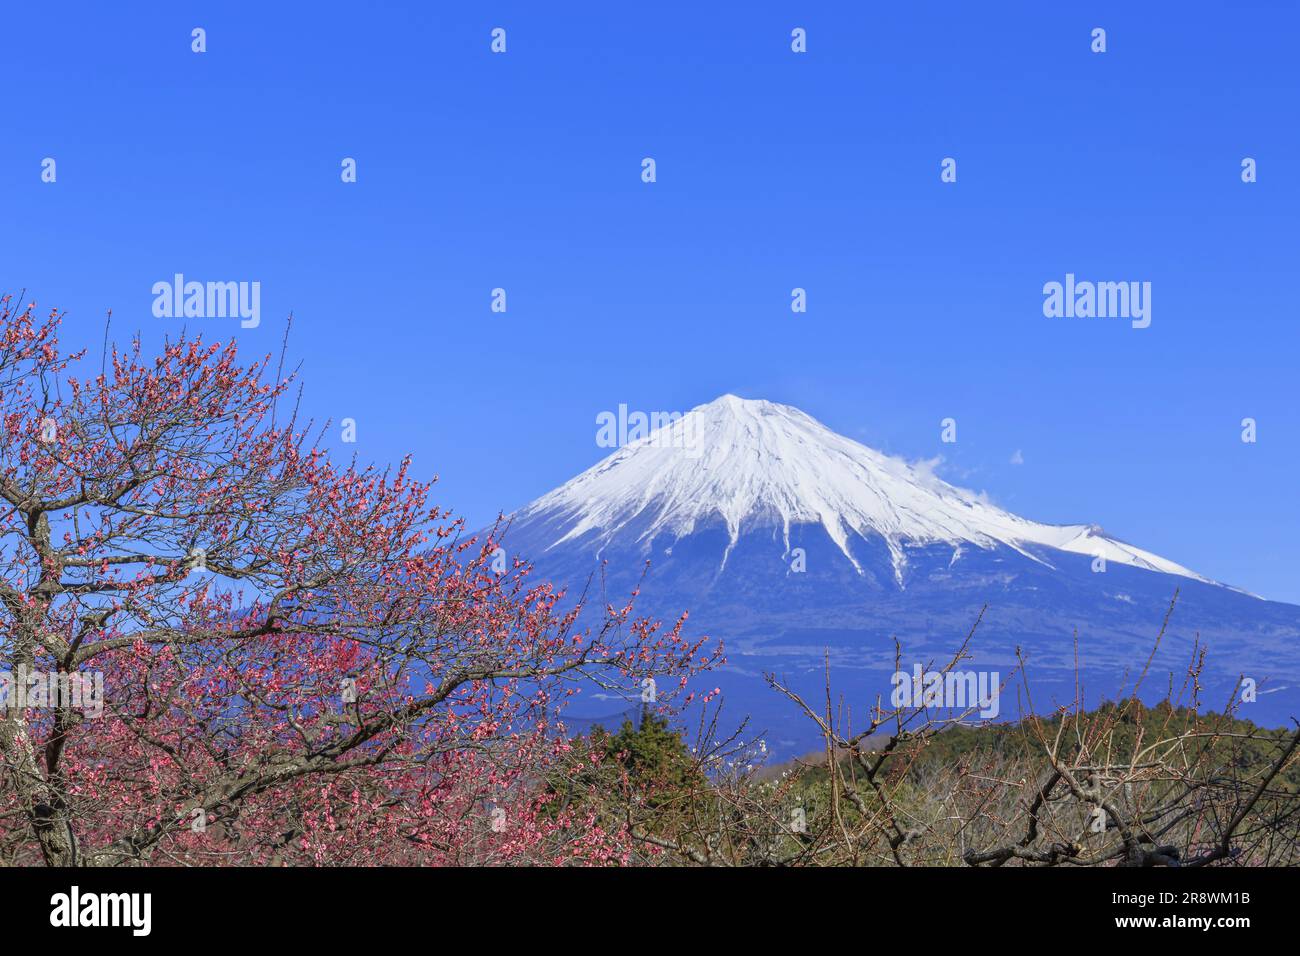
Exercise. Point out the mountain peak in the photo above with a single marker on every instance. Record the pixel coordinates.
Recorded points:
(734, 405)
(747, 464)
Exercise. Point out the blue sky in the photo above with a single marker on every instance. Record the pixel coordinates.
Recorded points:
(775, 171)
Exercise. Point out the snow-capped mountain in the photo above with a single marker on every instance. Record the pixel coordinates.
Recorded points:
(789, 542)
(754, 464)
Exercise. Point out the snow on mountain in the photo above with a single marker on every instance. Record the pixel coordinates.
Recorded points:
(799, 549)
(756, 464)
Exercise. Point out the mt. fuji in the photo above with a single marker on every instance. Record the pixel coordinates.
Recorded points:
(789, 541)
(755, 464)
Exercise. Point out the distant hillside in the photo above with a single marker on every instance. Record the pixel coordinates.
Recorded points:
(1250, 747)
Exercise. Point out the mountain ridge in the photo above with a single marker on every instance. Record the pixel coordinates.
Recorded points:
(765, 535)
(754, 462)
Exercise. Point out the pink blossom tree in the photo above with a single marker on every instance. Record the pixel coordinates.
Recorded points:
(301, 662)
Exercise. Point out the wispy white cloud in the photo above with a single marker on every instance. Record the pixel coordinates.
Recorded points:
(927, 466)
